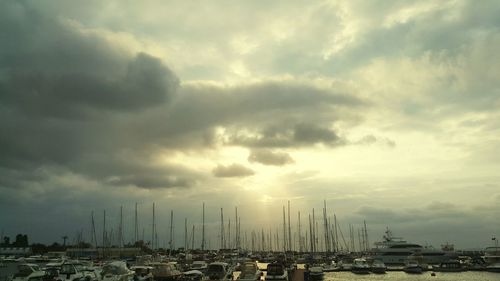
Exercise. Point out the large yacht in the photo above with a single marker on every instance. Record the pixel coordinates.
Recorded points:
(394, 250)
(492, 258)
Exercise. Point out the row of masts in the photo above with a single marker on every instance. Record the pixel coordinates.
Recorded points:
(329, 239)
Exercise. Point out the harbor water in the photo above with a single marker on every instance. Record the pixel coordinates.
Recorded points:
(399, 275)
(10, 269)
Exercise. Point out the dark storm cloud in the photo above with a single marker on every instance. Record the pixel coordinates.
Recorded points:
(269, 157)
(65, 97)
(289, 135)
(73, 100)
(231, 171)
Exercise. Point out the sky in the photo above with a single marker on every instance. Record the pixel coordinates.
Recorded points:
(387, 111)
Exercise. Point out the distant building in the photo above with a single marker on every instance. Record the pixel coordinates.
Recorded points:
(15, 251)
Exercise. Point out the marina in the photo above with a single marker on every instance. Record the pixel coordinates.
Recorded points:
(267, 255)
(296, 274)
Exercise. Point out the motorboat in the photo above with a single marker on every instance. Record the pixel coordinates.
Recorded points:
(492, 257)
(395, 251)
(378, 267)
(75, 271)
(316, 272)
(276, 271)
(142, 272)
(165, 271)
(412, 267)
(194, 275)
(220, 271)
(495, 267)
(250, 272)
(28, 271)
(345, 263)
(199, 265)
(360, 266)
(449, 266)
(330, 266)
(116, 271)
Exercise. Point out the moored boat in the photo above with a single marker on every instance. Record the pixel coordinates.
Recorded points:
(116, 271)
(250, 272)
(360, 266)
(220, 271)
(276, 271)
(142, 272)
(316, 272)
(449, 266)
(378, 267)
(165, 271)
(412, 267)
(395, 251)
(492, 257)
(28, 271)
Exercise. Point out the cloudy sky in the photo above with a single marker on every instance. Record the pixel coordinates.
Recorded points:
(388, 110)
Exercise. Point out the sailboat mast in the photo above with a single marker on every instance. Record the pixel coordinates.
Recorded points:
(120, 229)
(311, 234)
(136, 226)
(94, 236)
(185, 234)
(171, 231)
(300, 234)
(289, 229)
(284, 230)
(203, 229)
(325, 223)
(153, 230)
(221, 229)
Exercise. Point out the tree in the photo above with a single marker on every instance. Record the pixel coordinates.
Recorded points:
(6, 241)
(21, 241)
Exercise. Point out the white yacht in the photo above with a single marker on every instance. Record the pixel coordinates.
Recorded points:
(116, 271)
(276, 271)
(250, 272)
(28, 271)
(394, 250)
(219, 271)
(412, 267)
(492, 258)
(360, 266)
(316, 272)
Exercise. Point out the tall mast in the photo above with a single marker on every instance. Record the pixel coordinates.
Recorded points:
(222, 246)
(313, 237)
(236, 239)
(120, 229)
(94, 236)
(336, 232)
(325, 223)
(171, 244)
(153, 230)
(229, 234)
(367, 245)
(289, 229)
(185, 234)
(104, 234)
(136, 225)
(203, 229)
(192, 239)
(311, 234)
(284, 230)
(300, 235)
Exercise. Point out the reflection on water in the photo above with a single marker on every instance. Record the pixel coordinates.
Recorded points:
(396, 275)
(348, 276)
